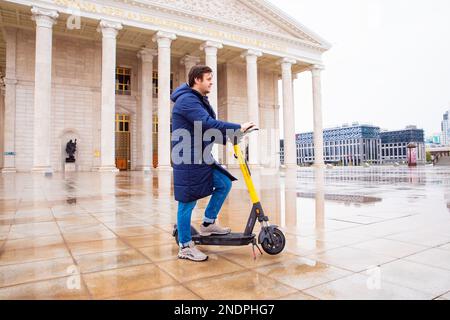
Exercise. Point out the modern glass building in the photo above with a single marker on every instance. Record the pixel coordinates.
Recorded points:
(394, 144)
(357, 144)
(346, 145)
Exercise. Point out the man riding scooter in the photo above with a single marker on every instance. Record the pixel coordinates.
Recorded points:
(199, 179)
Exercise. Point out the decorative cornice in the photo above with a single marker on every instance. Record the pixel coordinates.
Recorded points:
(316, 69)
(276, 13)
(147, 54)
(164, 35)
(109, 29)
(251, 53)
(164, 39)
(44, 17)
(286, 60)
(211, 44)
(187, 59)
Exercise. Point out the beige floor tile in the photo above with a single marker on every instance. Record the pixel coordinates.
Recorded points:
(444, 247)
(432, 257)
(79, 224)
(89, 247)
(392, 248)
(55, 289)
(244, 257)
(111, 283)
(33, 230)
(355, 287)
(298, 296)
(156, 239)
(34, 242)
(166, 293)
(342, 238)
(185, 270)
(302, 273)
(351, 259)
(135, 231)
(161, 252)
(35, 271)
(109, 260)
(420, 277)
(445, 296)
(8, 257)
(427, 238)
(82, 236)
(303, 246)
(244, 285)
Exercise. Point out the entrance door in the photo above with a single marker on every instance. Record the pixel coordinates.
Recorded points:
(123, 159)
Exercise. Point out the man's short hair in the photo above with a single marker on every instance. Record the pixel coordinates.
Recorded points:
(197, 72)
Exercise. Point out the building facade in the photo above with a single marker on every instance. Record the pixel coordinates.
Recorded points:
(101, 72)
(394, 145)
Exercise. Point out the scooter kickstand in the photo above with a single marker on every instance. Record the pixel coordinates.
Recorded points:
(254, 244)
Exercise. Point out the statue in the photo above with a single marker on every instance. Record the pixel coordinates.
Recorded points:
(71, 147)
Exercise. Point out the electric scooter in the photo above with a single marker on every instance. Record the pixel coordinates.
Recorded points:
(270, 237)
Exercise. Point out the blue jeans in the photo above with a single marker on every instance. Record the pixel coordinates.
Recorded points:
(222, 186)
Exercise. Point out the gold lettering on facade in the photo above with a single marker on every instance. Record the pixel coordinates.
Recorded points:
(91, 7)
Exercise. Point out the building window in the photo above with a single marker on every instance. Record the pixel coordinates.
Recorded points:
(123, 78)
(155, 83)
(122, 123)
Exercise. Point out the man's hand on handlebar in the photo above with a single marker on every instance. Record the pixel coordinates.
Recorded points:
(246, 126)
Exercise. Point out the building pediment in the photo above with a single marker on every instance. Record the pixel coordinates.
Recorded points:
(258, 15)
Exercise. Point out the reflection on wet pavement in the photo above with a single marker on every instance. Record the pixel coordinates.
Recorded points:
(365, 233)
(346, 198)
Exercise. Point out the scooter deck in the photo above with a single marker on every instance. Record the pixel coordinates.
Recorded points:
(231, 239)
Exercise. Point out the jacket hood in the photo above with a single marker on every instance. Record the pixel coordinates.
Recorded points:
(181, 90)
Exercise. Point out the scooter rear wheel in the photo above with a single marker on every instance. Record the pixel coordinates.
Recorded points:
(278, 245)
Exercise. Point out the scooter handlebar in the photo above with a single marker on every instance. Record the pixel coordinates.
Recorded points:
(251, 129)
(238, 137)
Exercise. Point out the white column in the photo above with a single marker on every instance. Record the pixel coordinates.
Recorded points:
(145, 150)
(290, 157)
(45, 19)
(251, 57)
(164, 41)
(317, 105)
(9, 127)
(189, 62)
(109, 32)
(210, 48)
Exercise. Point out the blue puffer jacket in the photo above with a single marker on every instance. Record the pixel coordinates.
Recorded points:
(195, 180)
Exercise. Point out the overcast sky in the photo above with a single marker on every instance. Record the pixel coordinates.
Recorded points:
(389, 64)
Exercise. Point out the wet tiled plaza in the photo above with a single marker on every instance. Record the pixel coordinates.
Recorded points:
(352, 233)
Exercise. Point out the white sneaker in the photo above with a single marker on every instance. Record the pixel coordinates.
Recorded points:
(213, 228)
(192, 253)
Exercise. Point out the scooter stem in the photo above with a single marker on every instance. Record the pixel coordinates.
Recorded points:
(246, 173)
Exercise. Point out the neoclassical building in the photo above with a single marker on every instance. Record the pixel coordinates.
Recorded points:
(101, 72)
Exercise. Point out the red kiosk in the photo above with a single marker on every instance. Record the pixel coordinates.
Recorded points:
(412, 155)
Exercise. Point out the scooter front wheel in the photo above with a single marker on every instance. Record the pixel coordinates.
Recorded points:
(279, 241)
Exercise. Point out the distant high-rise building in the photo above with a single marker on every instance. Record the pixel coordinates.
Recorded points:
(445, 130)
